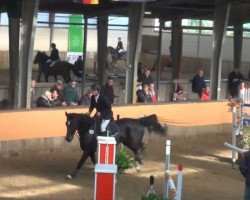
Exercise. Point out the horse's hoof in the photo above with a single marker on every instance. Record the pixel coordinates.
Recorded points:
(69, 177)
(138, 169)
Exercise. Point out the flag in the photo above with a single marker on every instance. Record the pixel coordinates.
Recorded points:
(75, 34)
(90, 1)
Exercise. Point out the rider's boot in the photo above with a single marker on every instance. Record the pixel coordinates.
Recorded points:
(104, 133)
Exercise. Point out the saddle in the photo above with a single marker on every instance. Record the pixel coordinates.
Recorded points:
(112, 129)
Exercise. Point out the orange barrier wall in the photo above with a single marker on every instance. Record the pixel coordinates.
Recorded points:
(27, 124)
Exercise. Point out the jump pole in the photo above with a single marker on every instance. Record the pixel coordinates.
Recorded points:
(234, 129)
(179, 182)
(105, 169)
(234, 148)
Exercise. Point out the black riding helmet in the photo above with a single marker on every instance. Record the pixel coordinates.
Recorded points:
(96, 87)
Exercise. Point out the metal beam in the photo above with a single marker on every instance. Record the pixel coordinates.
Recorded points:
(221, 16)
(14, 14)
(85, 37)
(102, 37)
(238, 38)
(26, 50)
(136, 15)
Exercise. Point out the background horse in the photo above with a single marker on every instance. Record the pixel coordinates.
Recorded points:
(115, 56)
(131, 132)
(55, 69)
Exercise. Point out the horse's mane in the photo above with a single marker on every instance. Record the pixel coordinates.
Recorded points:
(151, 123)
(149, 120)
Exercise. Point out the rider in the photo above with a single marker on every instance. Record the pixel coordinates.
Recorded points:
(54, 53)
(119, 48)
(102, 106)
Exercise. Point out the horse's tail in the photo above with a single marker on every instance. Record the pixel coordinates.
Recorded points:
(75, 71)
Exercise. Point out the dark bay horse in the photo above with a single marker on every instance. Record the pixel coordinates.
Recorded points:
(131, 132)
(55, 69)
(115, 56)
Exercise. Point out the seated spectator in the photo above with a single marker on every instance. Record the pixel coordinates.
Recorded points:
(143, 95)
(205, 95)
(59, 88)
(44, 100)
(71, 94)
(152, 93)
(108, 91)
(33, 94)
(178, 94)
(145, 78)
(86, 98)
(198, 83)
(55, 101)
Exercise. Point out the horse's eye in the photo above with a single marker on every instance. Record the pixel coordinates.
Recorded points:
(68, 123)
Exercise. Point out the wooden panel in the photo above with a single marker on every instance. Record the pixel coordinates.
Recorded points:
(29, 124)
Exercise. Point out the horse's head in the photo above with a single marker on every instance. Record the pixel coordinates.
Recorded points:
(80, 123)
(40, 57)
(72, 125)
(153, 125)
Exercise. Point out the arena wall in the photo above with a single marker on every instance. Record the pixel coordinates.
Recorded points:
(28, 129)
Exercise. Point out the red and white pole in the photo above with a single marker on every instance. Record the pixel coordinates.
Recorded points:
(179, 182)
(105, 169)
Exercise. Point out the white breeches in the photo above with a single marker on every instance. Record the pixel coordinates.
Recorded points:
(104, 124)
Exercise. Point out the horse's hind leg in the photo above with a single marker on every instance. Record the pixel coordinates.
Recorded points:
(93, 158)
(74, 173)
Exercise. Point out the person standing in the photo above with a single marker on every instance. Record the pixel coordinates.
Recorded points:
(234, 80)
(33, 94)
(145, 78)
(119, 47)
(102, 106)
(108, 91)
(245, 171)
(198, 83)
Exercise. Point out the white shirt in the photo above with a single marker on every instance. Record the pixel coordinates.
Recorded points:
(96, 97)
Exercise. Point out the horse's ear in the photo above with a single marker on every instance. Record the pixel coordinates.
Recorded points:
(66, 114)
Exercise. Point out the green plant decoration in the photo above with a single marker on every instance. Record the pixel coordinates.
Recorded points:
(123, 161)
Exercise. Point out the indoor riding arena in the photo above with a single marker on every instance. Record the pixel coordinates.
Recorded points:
(179, 66)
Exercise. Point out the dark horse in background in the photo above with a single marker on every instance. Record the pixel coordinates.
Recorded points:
(131, 132)
(55, 69)
(115, 56)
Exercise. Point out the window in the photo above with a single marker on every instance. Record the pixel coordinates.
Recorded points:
(246, 33)
(207, 24)
(43, 17)
(192, 23)
(92, 23)
(167, 24)
(60, 19)
(114, 23)
(4, 19)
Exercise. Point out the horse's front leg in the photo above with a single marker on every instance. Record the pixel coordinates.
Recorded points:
(74, 173)
(93, 158)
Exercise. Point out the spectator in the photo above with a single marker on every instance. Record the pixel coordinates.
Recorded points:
(79, 63)
(33, 94)
(145, 78)
(205, 95)
(119, 47)
(245, 171)
(86, 98)
(44, 100)
(108, 90)
(143, 95)
(178, 94)
(55, 101)
(234, 80)
(152, 93)
(71, 94)
(59, 88)
(198, 83)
